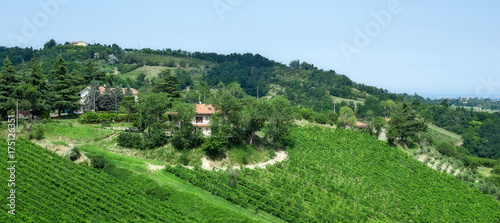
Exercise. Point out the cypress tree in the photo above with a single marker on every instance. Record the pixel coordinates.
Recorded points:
(8, 82)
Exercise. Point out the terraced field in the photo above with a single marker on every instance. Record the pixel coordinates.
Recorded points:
(440, 134)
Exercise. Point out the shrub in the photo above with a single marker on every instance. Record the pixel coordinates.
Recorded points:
(496, 170)
(106, 123)
(72, 153)
(37, 134)
(184, 159)
(130, 140)
(214, 145)
(89, 118)
(99, 162)
(94, 118)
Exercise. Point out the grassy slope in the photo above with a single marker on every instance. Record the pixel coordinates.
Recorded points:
(92, 139)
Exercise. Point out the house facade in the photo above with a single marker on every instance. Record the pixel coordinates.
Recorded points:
(204, 114)
(78, 43)
(86, 91)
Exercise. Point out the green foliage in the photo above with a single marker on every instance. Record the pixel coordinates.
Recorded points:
(101, 117)
(214, 145)
(98, 161)
(279, 121)
(169, 84)
(339, 175)
(185, 135)
(8, 81)
(496, 170)
(72, 153)
(152, 109)
(346, 117)
(65, 88)
(404, 125)
(36, 133)
(129, 140)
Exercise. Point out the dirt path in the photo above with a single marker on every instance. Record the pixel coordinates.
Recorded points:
(208, 164)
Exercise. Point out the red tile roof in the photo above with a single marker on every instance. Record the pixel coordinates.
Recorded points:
(204, 109)
(360, 125)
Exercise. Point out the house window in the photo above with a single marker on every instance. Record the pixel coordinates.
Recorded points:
(199, 119)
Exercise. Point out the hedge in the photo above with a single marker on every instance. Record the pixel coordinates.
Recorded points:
(95, 118)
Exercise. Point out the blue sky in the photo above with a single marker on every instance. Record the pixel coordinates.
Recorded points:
(428, 47)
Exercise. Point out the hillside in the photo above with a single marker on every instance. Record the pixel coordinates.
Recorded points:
(348, 176)
(50, 188)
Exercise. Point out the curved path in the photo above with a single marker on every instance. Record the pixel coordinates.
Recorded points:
(213, 165)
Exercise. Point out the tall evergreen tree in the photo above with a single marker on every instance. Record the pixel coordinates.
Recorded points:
(90, 71)
(39, 81)
(404, 125)
(8, 82)
(65, 88)
(169, 84)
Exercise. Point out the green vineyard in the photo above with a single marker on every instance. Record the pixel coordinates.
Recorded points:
(441, 135)
(50, 188)
(342, 175)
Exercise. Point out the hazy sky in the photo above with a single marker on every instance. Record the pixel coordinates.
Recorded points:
(428, 47)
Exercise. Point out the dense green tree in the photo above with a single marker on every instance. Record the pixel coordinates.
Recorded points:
(106, 99)
(8, 82)
(404, 125)
(65, 88)
(378, 124)
(28, 96)
(252, 116)
(50, 44)
(280, 119)
(152, 109)
(185, 135)
(169, 84)
(228, 105)
(346, 117)
(90, 71)
(129, 104)
(295, 64)
(39, 81)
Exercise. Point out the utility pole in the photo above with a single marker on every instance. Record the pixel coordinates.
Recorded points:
(257, 92)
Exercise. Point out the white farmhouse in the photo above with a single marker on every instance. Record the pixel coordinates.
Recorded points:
(203, 117)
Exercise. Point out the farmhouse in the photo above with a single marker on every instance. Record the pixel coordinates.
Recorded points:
(202, 119)
(83, 93)
(78, 43)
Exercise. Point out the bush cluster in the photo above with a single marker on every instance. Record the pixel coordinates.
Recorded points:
(72, 153)
(96, 118)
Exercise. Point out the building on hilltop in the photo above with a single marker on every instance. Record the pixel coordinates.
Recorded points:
(78, 43)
